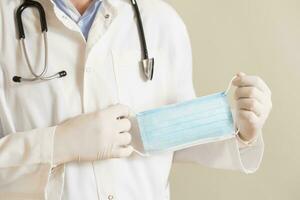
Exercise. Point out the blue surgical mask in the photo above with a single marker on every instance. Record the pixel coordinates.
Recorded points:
(179, 126)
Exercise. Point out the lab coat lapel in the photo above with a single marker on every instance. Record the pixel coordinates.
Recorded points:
(107, 14)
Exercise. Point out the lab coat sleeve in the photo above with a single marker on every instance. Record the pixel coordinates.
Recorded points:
(26, 163)
(225, 154)
(25, 158)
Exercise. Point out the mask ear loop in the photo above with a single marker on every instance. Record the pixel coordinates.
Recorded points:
(226, 93)
(140, 153)
(230, 85)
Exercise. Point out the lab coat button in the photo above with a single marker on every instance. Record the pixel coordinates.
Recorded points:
(110, 197)
(64, 17)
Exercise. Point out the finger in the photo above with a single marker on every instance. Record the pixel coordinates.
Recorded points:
(123, 139)
(123, 152)
(123, 125)
(250, 104)
(248, 116)
(120, 111)
(249, 92)
(250, 81)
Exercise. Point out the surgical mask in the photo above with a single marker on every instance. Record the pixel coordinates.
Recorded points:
(179, 126)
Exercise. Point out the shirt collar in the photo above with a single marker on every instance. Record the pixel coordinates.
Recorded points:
(70, 9)
(109, 5)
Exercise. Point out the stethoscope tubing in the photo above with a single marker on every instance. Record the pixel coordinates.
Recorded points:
(44, 35)
(141, 29)
(22, 38)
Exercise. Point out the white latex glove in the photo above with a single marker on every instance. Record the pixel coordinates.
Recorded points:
(95, 136)
(253, 104)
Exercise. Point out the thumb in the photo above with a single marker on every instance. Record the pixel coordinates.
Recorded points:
(240, 74)
(237, 80)
(123, 152)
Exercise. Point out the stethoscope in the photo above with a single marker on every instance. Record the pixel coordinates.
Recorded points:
(146, 62)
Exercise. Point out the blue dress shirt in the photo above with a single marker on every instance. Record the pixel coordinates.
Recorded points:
(84, 21)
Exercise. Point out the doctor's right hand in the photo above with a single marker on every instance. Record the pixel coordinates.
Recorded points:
(94, 136)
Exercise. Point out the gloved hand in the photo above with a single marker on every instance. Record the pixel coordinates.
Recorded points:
(94, 136)
(253, 104)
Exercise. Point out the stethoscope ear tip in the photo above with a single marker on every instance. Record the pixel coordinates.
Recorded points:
(17, 79)
(62, 74)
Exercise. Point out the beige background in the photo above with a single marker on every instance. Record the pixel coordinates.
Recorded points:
(259, 37)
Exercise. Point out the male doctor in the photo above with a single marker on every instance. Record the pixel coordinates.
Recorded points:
(71, 138)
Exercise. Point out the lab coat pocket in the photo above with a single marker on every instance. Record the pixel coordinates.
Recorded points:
(32, 104)
(133, 88)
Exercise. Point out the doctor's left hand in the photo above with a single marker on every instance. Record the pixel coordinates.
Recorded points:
(253, 105)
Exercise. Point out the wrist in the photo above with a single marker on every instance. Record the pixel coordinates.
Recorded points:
(248, 136)
(246, 140)
(61, 152)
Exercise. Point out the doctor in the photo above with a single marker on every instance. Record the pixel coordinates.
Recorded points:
(64, 139)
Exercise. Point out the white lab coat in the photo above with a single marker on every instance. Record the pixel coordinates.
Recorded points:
(101, 72)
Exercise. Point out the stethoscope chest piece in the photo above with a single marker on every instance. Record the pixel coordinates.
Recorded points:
(148, 68)
(147, 63)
